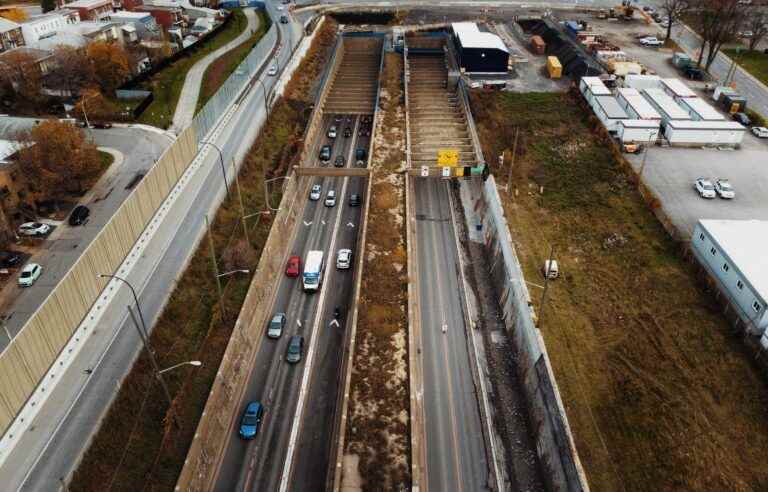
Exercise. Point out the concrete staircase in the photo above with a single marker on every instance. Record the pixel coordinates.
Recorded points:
(353, 90)
(437, 120)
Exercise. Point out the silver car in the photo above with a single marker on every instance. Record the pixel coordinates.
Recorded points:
(315, 193)
(344, 259)
(330, 198)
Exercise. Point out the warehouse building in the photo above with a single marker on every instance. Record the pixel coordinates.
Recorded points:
(478, 51)
(733, 253)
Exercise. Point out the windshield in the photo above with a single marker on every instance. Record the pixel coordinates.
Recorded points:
(707, 185)
(249, 420)
(293, 349)
(26, 274)
(724, 185)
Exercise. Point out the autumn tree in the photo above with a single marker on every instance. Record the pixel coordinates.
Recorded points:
(72, 69)
(718, 22)
(92, 105)
(48, 5)
(57, 158)
(14, 14)
(757, 23)
(672, 11)
(110, 64)
(20, 70)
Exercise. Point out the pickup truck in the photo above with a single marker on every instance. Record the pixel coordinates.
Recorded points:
(651, 41)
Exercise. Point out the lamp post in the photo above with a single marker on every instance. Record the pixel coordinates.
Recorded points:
(195, 363)
(266, 192)
(4, 319)
(144, 333)
(264, 90)
(221, 161)
(221, 292)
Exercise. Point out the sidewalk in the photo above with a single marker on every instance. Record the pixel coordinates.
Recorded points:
(185, 108)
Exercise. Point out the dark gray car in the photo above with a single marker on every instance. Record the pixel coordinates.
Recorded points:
(295, 349)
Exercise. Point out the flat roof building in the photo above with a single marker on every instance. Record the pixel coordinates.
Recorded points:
(665, 105)
(636, 105)
(479, 51)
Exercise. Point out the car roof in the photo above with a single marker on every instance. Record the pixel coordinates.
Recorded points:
(278, 316)
(29, 267)
(253, 406)
(295, 339)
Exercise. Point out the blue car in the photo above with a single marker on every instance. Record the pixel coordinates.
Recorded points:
(251, 421)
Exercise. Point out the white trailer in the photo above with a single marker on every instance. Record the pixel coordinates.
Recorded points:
(637, 131)
(699, 133)
(641, 82)
(665, 105)
(700, 110)
(608, 111)
(590, 87)
(636, 106)
(676, 89)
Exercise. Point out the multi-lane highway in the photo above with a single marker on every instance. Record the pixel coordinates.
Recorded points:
(259, 464)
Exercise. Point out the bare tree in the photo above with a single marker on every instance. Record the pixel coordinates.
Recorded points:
(757, 23)
(718, 22)
(673, 10)
(72, 70)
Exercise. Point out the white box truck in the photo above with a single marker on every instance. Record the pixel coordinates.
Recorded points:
(313, 271)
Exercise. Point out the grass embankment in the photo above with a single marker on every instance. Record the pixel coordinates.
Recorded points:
(660, 393)
(377, 430)
(166, 85)
(753, 61)
(218, 72)
(138, 448)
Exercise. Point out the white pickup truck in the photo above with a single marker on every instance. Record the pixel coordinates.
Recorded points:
(651, 41)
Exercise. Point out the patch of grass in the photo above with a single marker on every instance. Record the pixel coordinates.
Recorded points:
(661, 395)
(105, 160)
(166, 85)
(218, 72)
(753, 61)
(138, 447)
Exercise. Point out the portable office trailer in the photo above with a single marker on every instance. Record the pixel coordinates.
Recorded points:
(636, 105)
(733, 254)
(591, 87)
(637, 131)
(699, 110)
(665, 105)
(640, 82)
(676, 88)
(608, 111)
(697, 133)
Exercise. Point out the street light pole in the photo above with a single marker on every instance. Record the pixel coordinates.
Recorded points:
(152, 359)
(195, 363)
(4, 320)
(145, 333)
(215, 267)
(264, 90)
(266, 192)
(221, 161)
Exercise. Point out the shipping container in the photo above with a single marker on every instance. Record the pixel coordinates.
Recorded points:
(538, 45)
(636, 105)
(733, 103)
(637, 131)
(699, 109)
(554, 68)
(696, 133)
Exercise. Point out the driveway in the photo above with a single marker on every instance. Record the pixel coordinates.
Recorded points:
(135, 151)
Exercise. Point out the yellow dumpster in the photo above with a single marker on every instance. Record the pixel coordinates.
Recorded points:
(554, 68)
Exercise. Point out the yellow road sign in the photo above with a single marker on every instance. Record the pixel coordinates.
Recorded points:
(447, 157)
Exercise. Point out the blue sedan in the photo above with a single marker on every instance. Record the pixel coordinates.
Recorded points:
(251, 421)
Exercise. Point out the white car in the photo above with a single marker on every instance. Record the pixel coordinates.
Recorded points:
(724, 189)
(760, 131)
(314, 195)
(272, 71)
(330, 198)
(652, 42)
(34, 229)
(29, 274)
(344, 259)
(705, 188)
(332, 133)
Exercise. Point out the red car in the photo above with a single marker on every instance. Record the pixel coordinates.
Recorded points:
(294, 266)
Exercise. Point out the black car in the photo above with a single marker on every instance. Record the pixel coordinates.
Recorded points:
(9, 258)
(102, 125)
(79, 215)
(340, 161)
(742, 118)
(354, 200)
(694, 73)
(360, 154)
(325, 153)
(283, 19)
(347, 132)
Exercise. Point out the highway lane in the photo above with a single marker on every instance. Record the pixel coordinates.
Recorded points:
(455, 450)
(257, 464)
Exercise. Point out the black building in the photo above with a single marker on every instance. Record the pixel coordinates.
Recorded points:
(478, 51)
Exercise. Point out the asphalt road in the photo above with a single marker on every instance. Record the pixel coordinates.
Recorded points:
(140, 148)
(456, 457)
(258, 464)
(65, 423)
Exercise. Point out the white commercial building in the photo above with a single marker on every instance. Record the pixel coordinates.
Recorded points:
(699, 109)
(734, 254)
(43, 26)
(697, 133)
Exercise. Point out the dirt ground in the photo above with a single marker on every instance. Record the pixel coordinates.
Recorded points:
(377, 433)
(659, 393)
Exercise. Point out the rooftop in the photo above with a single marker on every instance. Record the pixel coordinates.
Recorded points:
(88, 4)
(125, 14)
(611, 107)
(744, 243)
(8, 148)
(702, 108)
(7, 25)
(639, 104)
(50, 15)
(38, 54)
(666, 104)
(678, 88)
(470, 36)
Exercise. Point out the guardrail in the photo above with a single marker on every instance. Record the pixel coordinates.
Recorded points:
(462, 88)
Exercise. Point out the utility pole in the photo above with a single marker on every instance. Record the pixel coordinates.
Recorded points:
(4, 319)
(242, 207)
(215, 267)
(512, 161)
(543, 302)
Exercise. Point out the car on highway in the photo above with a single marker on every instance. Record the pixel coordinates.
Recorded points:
(354, 200)
(760, 131)
(9, 259)
(325, 153)
(283, 19)
(344, 259)
(651, 41)
(347, 132)
(360, 155)
(705, 188)
(330, 198)
(34, 229)
(29, 274)
(340, 161)
(294, 350)
(272, 70)
(742, 118)
(79, 215)
(724, 189)
(293, 268)
(251, 421)
(332, 132)
(276, 325)
(315, 192)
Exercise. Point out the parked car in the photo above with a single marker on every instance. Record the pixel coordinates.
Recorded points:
(332, 133)
(344, 259)
(340, 161)
(354, 200)
(724, 189)
(251, 421)
(295, 348)
(29, 274)
(705, 188)
(360, 155)
(9, 258)
(79, 215)
(325, 153)
(760, 131)
(276, 325)
(314, 194)
(34, 229)
(101, 125)
(742, 118)
(293, 268)
(652, 42)
(283, 19)
(347, 132)
(330, 198)
(272, 70)
(694, 73)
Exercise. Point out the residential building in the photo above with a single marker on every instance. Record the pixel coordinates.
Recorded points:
(733, 253)
(43, 59)
(92, 9)
(10, 35)
(136, 25)
(14, 191)
(167, 13)
(81, 34)
(45, 25)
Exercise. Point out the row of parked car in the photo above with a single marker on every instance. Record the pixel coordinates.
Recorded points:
(708, 188)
